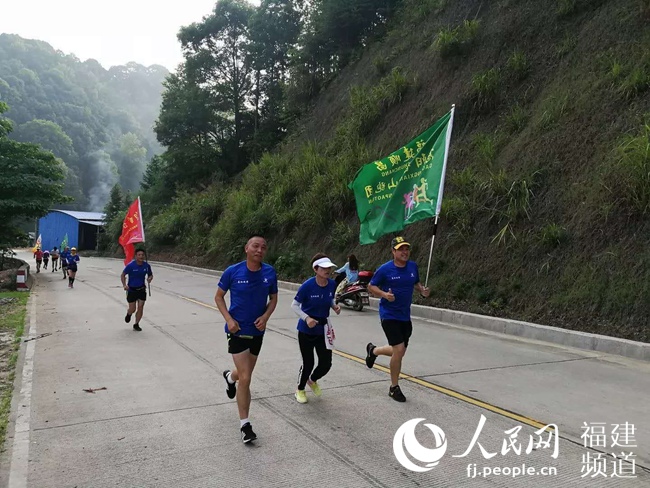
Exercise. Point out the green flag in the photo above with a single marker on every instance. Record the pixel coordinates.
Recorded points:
(64, 242)
(404, 187)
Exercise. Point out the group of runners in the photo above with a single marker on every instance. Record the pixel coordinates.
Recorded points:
(253, 288)
(69, 259)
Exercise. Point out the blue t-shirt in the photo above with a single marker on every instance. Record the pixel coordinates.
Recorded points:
(72, 260)
(401, 281)
(137, 273)
(249, 294)
(64, 256)
(315, 301)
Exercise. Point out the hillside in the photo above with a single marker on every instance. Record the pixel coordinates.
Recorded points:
(99, 122)
(546, 211)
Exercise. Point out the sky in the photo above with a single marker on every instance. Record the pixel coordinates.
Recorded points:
(113, 32)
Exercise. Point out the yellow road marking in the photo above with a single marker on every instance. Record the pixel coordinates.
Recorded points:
(198, 303)
(427, 384)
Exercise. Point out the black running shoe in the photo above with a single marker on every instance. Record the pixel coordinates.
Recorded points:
(247, 434)
(137, 327)
(370, 357)
(395, 392)
(231, 388)
(127, 318)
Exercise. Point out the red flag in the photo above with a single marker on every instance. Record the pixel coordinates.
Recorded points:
(132, 230)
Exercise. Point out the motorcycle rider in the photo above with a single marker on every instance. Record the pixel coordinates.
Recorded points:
(351, 270)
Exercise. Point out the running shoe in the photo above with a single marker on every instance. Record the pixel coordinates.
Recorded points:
(231, 388)
(247, 434)
(301, 396)
(315, 388)
(395, 392)
(370, 357)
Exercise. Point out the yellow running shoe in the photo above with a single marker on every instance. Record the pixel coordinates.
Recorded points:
(315, 388)
(301, 396)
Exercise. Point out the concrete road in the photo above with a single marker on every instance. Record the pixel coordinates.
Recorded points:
(163, 419)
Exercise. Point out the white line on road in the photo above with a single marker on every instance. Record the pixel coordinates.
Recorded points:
(20, 454)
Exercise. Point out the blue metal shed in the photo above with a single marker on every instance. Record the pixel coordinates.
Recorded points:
(82, 228)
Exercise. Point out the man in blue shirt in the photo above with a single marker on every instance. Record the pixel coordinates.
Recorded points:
(136, 291)
(394, 282)
(64, 261)
(253, 287)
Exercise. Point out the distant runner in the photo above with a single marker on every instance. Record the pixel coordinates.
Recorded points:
(55, 259)
(72, 260)
(136, 290)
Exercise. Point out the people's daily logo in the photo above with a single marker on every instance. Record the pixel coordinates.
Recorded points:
(405, 442)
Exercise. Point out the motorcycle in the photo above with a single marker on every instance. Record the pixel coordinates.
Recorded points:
(355, 295)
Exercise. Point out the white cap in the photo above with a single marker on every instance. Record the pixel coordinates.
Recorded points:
(324, 263)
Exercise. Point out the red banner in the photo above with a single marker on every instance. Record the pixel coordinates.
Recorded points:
(132, 231)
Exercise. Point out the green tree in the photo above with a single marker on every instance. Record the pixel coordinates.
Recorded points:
(115, 203)
(218, 58)
(50, 136)
(31, 180)
(192, 126)
(274, 29)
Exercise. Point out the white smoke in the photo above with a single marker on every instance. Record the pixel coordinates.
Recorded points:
(105, 176)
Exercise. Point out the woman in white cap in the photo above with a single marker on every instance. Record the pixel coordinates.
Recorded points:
(72, 259)
(312, 304)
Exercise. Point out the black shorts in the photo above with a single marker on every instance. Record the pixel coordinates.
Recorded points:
(397, 331)
(72, 267)
(237, 344)
(137, 294)
(64, 264)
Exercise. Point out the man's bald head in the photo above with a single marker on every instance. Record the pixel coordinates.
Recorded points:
(255, 250)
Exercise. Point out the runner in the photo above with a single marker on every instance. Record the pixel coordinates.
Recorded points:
(136, 290)
(65, 254)
(312, 304)
(253, 287)
(72, 259)
(394, 282)
(38, 255)
(55, 259)
(46, 258)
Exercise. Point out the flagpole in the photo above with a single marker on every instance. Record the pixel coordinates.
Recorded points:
(441, 189)
(141, 219)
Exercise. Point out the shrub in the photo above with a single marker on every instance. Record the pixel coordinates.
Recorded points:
(553, 235)
(485, 88)
(451, 42)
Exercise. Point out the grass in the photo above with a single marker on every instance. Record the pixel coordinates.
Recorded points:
(629, 178)
(566, 7)
(566, 45)
(454, 41)
(486, 148)
(485, 88)
(553, 109)
(635, 83)
(517, 66)
(12, 318)
(553, 235)
(515, 120)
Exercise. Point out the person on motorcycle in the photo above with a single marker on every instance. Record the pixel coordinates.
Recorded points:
(351, 270)
(312, 304)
